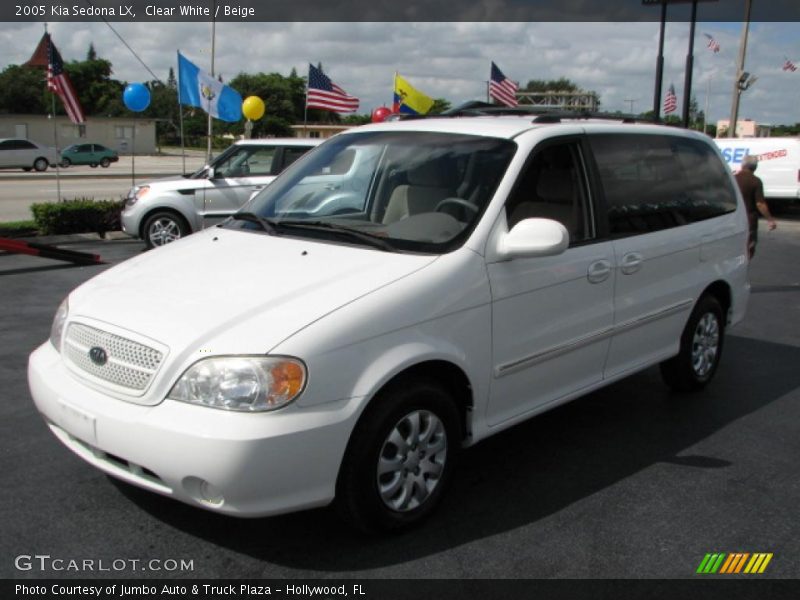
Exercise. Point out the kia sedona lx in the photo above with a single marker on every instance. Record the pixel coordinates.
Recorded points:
(404, 290)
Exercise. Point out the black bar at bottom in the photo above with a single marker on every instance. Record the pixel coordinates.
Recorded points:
(707, 587)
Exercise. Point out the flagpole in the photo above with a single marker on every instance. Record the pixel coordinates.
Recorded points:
(180, 117)
(133, 153)
(55, 141)
(305, 114)
(210, 118)
(708, 93)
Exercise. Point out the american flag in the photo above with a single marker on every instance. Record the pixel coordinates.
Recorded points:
(501, 88)
(789, 66)
(670, 100)
(713, 44)
(58, 82)
(324, 94)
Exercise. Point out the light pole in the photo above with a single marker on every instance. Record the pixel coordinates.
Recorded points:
(687, 87)
(743, 79)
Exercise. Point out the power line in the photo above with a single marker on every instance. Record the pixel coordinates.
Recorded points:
(121, 39)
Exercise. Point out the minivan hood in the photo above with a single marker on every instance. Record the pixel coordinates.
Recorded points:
(237, 288)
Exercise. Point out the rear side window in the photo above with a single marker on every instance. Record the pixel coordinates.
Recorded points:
(657, 182)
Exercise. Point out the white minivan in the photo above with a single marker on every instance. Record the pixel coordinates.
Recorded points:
(493, 268)
(778, 163)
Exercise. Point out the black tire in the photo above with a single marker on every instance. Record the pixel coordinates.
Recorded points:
(65, 163)
(163, 227)
(27, 169)
(93, 165)
(40, 164)
(105, 162)
(701, 348)
(417, 473)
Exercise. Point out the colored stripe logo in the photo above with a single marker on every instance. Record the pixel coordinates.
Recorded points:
(734, 563)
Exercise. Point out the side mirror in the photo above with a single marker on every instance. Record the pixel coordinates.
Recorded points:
(533, 237)
(210, 173)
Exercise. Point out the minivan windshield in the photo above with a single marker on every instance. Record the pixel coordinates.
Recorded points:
(401, 191)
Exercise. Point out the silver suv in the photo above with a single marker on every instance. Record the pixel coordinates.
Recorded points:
(162, 211)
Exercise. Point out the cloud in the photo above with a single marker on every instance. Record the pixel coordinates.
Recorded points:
(451, 60)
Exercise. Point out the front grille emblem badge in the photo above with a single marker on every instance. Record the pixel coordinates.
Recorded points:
(98, 356)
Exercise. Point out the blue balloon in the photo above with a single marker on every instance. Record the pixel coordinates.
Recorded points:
(136, 97)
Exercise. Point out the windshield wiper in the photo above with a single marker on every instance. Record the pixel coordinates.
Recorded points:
(266, 224)
(371, 239)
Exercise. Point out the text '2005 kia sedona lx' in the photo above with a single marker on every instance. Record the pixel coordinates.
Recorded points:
(478, 271)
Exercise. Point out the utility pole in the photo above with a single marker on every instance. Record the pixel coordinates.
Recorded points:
(631, 102)
(687, 85)
(741, 83)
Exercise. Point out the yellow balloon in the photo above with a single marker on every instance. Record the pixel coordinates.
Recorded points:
(253, 108)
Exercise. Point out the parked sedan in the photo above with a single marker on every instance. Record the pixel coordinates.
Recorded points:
(88, 154)
(26, 155)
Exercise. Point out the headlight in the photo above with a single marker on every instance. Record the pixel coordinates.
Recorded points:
(57, 329)
(136, 192)
(243, 383)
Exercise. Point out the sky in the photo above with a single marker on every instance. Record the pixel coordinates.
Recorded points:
(452, 60)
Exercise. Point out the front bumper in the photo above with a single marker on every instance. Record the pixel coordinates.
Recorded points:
(240, 464)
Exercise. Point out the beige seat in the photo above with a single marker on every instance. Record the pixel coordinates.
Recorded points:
(427, 186)
(555, 200)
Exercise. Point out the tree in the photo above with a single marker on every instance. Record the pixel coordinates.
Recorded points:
(439, 106)
(552, 85)
(91, 54)
(22, 90)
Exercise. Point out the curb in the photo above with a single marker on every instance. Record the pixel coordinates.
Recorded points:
(75, 238)
(41, 176)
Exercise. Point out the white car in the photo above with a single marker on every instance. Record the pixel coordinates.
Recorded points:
(26, 155)
(162, 211)
(494, 267)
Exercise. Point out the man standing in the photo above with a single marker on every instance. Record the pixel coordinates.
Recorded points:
(753, 192)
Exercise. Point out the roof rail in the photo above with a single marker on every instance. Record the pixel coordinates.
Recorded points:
(478, 108)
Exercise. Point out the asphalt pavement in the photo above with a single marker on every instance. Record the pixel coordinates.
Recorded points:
(19, 190)
(629, 482)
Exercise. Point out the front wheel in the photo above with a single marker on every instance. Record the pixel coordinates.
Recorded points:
(162, 228)
(400, 457)
(701, 348)
(105, 162)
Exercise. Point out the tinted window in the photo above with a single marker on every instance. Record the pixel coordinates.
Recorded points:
(7, 145)
(292, 153)
(245, 161)
(552, 186)
(25, 145)
(657, 182)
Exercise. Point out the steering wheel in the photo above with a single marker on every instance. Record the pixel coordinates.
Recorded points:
(458, 202)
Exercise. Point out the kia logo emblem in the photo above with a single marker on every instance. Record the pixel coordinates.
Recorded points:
(98, 356)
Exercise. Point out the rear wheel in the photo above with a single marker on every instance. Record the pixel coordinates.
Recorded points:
(400, 457)
(162, 228)
(701, 348)
(93, 165)
(65, 162)
(40, 164)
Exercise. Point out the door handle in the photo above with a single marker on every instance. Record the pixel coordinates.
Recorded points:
(599, 271)
(331, 186)
(631, 263)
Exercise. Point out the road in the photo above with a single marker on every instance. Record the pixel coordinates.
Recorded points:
(629, 482)
(19, 190)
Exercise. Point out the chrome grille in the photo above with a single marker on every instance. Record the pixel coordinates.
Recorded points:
(130, 364)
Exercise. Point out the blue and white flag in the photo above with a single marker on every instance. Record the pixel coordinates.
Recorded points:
(196, 88)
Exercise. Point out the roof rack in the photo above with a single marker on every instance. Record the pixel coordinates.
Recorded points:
(541, 115)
